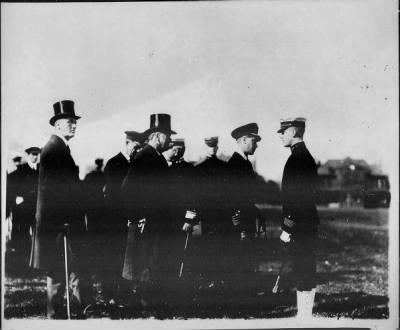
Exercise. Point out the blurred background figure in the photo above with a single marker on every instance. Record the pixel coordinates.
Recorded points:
(21, 197)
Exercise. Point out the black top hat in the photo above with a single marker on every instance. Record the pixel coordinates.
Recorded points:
(134, 136)
(160, 122)
(63, 109)
(291, 122)
(211, 141)
(17, 158)
(33, 150)
(246, 130)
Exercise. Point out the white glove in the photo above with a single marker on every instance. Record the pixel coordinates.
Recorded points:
(285, 237)
(187, 227)
(141, 224)
(19, 200)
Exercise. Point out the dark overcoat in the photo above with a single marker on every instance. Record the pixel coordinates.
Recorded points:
(115, 172)
(145, 192)
(59, 202)
(211, 174)
(299, 192)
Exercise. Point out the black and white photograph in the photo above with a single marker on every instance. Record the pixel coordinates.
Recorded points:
(200, 164)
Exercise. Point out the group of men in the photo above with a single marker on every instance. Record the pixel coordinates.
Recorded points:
(152, 200)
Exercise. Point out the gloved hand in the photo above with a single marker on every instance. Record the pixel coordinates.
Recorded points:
(187, 227)
(285, 237)
(236, 218)
(19, 200)
(141, 224)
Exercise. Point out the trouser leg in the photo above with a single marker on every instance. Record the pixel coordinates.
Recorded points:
(55, 298)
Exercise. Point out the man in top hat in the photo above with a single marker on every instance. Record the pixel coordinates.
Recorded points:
(241, 186)
(299, 214)
(148, 258)
(114, 230)
(24, 184)
(215, 223)
(58, 210)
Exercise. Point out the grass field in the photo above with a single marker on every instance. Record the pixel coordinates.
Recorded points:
(352, 277)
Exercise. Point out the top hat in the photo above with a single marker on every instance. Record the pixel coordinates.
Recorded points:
(63, 109)
(134, 136)
(33, 150)
(211, 141)
(291, 122)
(246, 130)
(160, 122)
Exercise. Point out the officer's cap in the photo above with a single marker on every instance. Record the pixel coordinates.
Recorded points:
(33, 150)
(292, 122)
(134, 136)
(211, 141)
(246, 130)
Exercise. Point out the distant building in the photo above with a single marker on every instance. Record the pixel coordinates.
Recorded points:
(352, 182)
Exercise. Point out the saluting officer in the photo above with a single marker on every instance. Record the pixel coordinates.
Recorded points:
(60, 202)
(241, 185)
(299, 214)
(148, 258)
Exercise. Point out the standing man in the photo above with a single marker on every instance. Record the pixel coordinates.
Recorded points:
(145, 191)
(215, 223)
(299, 214)
(25, 186)
(242, 189)
(59, 209)
(114, 230)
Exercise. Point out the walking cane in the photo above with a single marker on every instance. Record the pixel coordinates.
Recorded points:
(184, 250)
(66, 228)
(284, 262)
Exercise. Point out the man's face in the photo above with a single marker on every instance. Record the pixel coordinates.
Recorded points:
(211, 151)
(66, 127)
(287, 136)
(249, 144)
(132, 147)
(163, 141)
(33, 157)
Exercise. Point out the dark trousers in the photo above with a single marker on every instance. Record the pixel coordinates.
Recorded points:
(302, 254)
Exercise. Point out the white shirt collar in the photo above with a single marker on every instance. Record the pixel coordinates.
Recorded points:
(123, 152)
(33, 166)
(241, 153)
(62, 138)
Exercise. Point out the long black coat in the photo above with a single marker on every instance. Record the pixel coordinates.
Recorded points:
(145, 191)
(241, 185)
(299, 192)
(211, 174)
(59, 202)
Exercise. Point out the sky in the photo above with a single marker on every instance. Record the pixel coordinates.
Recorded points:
(213, 66)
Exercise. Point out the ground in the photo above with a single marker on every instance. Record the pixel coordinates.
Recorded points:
(352, 277)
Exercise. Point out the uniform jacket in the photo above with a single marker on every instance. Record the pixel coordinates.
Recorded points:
(24, 183)
(183, 194)
(115, 172)
(241, 188)
(59, 201)
(146, 187)
(299, 191)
